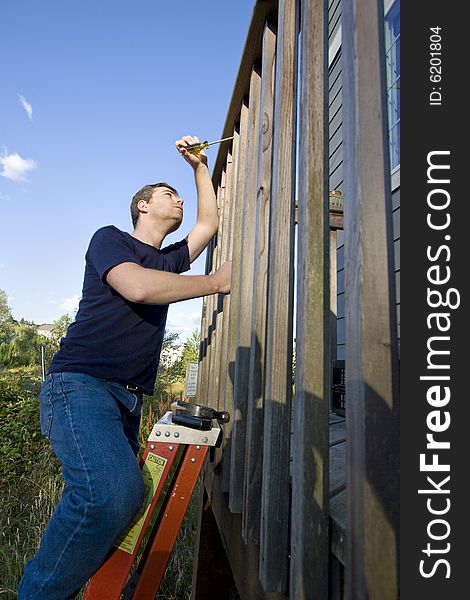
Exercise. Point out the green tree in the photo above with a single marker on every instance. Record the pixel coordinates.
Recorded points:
(169, 340)
(60, 328)
(23, 347)
(166, 375)
(191, 348)
(7, 323)
(190, 354)
(52, 344)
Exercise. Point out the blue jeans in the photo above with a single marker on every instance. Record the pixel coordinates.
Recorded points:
(92, 425)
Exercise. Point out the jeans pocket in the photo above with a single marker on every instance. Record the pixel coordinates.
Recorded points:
(46, 412)
(130, 400)
(134, 404)
(137, 408)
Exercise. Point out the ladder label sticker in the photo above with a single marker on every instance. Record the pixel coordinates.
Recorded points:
(152, 472)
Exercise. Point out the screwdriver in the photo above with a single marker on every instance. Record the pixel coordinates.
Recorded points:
(195, 148)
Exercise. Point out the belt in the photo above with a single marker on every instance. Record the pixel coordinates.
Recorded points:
(134, 389)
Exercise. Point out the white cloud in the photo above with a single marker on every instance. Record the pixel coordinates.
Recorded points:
(70, 304)
(27, 106)
(183, 323)
(15, 167)
(4, 197)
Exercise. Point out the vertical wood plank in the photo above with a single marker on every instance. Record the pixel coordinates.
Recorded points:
(245, 291)
(371, 345)
(210, 321)
(200, 392)
(254, 424)
(234, 295)
(204, 366)
(232, 198)
(278, 387)
(217, 315)
(225, 226)
(202, 329)
(212, 575)
(310, 516)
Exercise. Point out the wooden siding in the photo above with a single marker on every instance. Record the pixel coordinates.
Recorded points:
(335, 102)
(372, 417)
(287, 487)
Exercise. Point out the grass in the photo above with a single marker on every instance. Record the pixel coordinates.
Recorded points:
(30, 494)
(176, 585)
(27, 503)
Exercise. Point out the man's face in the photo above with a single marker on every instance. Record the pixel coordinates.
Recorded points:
(166, 207)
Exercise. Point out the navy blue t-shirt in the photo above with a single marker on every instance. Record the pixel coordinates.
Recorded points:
(113, 338)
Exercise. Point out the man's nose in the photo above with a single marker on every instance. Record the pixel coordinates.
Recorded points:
(180, 200)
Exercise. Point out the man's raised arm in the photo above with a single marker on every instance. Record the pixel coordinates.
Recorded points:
(207, 214)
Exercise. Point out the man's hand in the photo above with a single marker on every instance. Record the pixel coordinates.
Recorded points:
(195, 160)
(223, 277)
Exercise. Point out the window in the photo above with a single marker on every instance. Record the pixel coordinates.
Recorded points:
(392, 65)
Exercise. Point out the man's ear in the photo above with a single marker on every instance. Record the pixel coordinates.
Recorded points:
(143, 206)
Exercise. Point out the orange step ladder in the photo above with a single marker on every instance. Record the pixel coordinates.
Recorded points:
(181, 440)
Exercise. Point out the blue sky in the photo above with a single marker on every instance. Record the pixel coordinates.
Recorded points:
(93, 96)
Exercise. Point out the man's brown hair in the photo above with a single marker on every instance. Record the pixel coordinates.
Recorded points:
(145, 194)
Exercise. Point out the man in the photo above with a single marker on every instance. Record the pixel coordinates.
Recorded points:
(91, 399)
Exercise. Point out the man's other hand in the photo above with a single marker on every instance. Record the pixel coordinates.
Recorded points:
(195, 160)
(223, 277)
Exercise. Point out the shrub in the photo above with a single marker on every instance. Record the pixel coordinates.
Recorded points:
(21, 442)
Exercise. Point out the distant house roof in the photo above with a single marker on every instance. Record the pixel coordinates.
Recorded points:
(45, 329)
